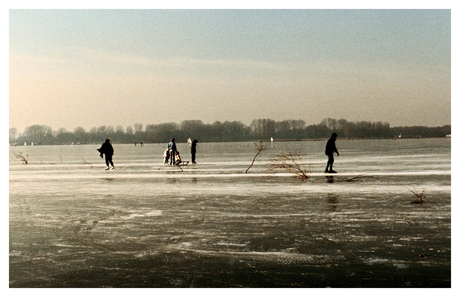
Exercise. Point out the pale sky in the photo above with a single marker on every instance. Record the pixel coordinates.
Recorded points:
(88, 68)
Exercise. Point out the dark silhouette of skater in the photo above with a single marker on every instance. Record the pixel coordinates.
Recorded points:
(107, 150)
(330, 150)
(172, 151)
(193, 150)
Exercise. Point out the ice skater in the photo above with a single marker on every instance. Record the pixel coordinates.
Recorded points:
(172, 151)
(193, 150)
(107, 150)
(330, 150)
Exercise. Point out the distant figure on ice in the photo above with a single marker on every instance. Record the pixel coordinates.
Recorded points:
(193, 150)
(107, 150)
(172, 151)
(330, 150)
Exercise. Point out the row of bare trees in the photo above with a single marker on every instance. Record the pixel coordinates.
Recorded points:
(221, 131)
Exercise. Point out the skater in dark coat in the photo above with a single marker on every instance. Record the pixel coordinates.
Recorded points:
(107, 150)
(193, 150)
(330, 150)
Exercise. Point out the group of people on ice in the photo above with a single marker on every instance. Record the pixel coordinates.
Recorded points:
(171, 155)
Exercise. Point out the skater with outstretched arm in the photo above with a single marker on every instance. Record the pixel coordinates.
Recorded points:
(107, 150)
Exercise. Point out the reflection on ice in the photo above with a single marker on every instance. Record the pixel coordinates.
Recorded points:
(152, 213)
(71, 216)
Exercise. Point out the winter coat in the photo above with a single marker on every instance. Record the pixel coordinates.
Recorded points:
(106, 149)
(330, 147)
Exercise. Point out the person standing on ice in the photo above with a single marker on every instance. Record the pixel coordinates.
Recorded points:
(330, 150)
(193, 150)
(172, 151)
(107, 150)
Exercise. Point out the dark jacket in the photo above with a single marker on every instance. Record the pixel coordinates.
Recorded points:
(330, 147)
(106, 149)
(193, 149)
(172, 146)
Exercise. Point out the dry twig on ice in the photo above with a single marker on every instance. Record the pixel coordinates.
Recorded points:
(360, 176)
(84, 162)
(290, 162)
(20, 156)
(259, 147)
(419, 195)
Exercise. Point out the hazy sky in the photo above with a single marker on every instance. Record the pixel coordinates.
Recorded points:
(70, 68)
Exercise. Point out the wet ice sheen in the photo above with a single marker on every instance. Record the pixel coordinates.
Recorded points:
(64, 205)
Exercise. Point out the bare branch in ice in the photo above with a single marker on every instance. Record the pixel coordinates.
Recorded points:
(360, 176)
(21, 156)
(419, 195)
(290, 162)
(259, 147)
(87, 163)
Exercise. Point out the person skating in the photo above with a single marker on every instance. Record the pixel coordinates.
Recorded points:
(172, 151)
(107, 150)
(330, 150)
(193, 150)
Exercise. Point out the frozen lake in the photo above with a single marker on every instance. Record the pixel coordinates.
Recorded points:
(73, 224)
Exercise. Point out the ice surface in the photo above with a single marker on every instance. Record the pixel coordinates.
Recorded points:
(65, 208)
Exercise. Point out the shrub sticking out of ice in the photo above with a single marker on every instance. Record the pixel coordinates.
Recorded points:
(419, 195)
(290, 162)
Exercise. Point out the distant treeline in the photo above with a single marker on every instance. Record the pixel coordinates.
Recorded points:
(225, 132)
